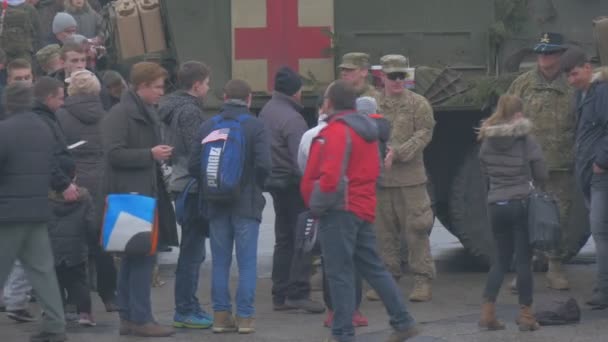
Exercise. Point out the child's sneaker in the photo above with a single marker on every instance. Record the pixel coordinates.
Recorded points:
(359, 320)
(86, 320)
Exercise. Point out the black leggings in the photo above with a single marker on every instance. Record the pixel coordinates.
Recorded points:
(73, 280)
(510, 229)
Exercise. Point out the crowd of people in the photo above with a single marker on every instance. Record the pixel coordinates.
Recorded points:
(70, 136)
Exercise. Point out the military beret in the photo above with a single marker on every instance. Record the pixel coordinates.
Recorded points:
(355, 60)
(47, 53)
(394, 63)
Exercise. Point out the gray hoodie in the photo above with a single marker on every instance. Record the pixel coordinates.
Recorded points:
(509, 156)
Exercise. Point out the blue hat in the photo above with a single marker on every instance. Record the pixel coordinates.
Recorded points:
(550, 43)
(287, 81)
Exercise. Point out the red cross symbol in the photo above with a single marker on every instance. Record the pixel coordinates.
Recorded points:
(282, 41)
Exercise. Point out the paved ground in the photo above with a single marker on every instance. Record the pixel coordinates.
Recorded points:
(451, 316)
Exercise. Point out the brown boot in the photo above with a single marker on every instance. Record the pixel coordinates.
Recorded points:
(246, 325)
(556, 278)
(125, 327)
(404, 335)
(372, 295)
(488, 317)
(223, 322)
(526, 319)
(151, 329)
(422, 290)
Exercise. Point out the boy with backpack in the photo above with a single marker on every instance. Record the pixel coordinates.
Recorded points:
(71, 230)
(231, 160)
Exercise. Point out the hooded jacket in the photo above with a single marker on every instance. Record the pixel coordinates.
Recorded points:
(181, 115)
(592, 131)
(80, 119)
(343, 167)
(509, 157)
(258, 164)
(71, 228)
(59, 180)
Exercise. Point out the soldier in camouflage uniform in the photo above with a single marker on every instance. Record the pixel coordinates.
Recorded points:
(548, 103)
(404, 215)
(354, 69)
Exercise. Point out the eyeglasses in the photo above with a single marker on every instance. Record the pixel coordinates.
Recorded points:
(394, 76)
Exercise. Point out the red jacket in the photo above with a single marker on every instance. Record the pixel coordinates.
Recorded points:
(343, 167)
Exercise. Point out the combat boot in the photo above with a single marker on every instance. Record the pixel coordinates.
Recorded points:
(488, 317)
(556, 278)
(422, 290)
(526, 320)
(151, 329)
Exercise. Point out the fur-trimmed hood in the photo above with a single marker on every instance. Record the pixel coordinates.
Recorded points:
(600, 74)
(503, 136)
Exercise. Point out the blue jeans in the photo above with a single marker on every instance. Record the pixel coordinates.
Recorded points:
(225, 231)
(134, 287)
(191, 256)
(598, 217)
(348, 244)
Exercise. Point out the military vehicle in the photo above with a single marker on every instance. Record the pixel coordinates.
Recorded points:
(465, 53)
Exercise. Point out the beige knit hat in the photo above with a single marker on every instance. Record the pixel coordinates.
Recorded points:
(84, 82)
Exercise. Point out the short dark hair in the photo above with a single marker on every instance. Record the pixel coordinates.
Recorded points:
(192, 72)
(572, 58)
(342, 95)
(237, 90)
(146, 73)
(71, 47)
(18, 64)
(17, 97)
(47, 86)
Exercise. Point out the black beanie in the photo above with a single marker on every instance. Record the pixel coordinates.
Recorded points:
(287, 81)
(18, 97)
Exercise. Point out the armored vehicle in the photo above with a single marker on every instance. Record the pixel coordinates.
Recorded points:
(464, 53)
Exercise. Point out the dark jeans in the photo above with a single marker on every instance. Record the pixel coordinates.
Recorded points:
(106, 275)
(510, 228)
(191, 256)
(73, 281)
(291, 270)
(598, 216)
(134, 287)
(349, 245)
(327, 291)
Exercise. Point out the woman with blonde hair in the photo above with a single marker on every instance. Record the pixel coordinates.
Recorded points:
(510, 158)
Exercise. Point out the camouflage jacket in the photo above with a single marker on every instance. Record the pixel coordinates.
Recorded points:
(368, 90)
(412, 122)
(550, 106)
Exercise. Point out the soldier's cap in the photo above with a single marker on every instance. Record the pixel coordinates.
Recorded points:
(355, 60)
(550, 43)
(47, 53)
(394, 63)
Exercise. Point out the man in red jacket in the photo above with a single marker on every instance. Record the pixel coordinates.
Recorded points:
(339, 187)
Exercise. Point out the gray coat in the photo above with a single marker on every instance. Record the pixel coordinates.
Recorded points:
(286, 125)
(509, 156)
(80, 119)
(130, 131)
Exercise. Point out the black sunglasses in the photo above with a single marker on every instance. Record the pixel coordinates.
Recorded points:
(393, 76)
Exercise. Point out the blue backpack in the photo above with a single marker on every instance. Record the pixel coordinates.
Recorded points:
(223, 159)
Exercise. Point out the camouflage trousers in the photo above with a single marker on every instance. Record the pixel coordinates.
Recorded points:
(562, 186)
(404, 218)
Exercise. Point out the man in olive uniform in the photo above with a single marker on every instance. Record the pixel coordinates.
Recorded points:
(548, 103)
(354, 69)
(404, 215)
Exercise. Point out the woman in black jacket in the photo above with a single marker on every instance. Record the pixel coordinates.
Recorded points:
(511, 158)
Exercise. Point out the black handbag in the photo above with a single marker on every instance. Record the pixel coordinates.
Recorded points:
(543, 215)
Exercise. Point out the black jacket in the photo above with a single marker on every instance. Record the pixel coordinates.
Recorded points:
(59, 180)
(26, 150)
(80, 119)
(72, 228)
(282, 117)
(181, 115)
(258, 164)
(592, 133)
